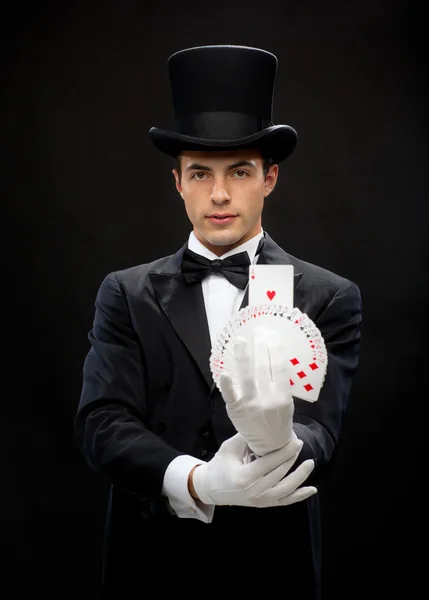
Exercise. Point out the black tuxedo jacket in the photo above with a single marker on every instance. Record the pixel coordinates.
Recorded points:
(148, 396)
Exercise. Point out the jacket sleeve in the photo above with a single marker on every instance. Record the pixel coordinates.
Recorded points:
(110, 420)
(319, 423)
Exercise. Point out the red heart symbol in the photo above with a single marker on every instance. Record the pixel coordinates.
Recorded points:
(252, 276)
(271, 295)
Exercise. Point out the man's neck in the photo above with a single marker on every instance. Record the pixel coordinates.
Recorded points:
(250, 246)
(220, 250)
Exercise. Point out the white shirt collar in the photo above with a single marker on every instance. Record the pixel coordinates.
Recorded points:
(250, 246)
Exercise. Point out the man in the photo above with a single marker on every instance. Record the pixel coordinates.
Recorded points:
(196, 505)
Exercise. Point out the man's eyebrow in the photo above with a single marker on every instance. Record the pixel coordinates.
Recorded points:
(197, 167)
(200, 167)
(240, 163)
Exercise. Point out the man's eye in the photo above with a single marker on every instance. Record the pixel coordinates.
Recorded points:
(241, 174)
(197, 175)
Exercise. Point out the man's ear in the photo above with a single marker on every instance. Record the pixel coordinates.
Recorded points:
(177, 179)
(271, 179)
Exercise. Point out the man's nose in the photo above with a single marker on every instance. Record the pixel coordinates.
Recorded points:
(220, 193)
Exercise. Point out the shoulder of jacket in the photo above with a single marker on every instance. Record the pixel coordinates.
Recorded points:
(314, 274)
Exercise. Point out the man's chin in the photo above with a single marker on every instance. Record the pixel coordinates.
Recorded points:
(222, 238)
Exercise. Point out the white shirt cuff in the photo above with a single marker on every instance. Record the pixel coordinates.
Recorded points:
(175, 487)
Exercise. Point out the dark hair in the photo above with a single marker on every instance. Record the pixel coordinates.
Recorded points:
(266, 164)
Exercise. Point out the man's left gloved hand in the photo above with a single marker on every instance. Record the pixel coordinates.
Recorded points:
(259, 400)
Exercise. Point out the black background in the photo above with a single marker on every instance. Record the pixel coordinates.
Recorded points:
(85, 193)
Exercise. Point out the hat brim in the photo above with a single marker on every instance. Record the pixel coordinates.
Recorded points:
(276, 142)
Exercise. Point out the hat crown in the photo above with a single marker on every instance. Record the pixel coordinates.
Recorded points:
(222, 99)
(222, 78)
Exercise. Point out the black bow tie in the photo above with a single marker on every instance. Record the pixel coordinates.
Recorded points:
(234, 268)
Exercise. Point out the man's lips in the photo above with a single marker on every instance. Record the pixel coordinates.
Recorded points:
(221, 218)
(221, 215)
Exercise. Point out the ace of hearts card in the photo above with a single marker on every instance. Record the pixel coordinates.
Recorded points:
(271, 284)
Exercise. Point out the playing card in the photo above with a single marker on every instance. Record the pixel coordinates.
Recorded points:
(222, 352)
(307, 364)
(271, 283)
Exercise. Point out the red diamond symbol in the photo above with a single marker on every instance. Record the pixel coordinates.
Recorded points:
(313, 366)
(308, 387)
(294, 361)
(291, 382)
(301, 374)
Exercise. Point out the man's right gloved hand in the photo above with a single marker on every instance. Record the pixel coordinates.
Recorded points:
(228, 479)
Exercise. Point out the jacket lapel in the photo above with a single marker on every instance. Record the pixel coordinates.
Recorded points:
(184, 307)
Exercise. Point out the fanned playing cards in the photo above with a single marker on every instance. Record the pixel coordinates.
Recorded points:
(271, 307)
(303, 343)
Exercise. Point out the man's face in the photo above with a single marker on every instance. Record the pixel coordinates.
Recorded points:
(224, 195)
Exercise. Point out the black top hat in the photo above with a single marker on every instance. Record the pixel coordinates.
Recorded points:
(222, 98)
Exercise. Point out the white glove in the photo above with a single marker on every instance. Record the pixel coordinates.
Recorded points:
(227, 479)
(260, 403)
